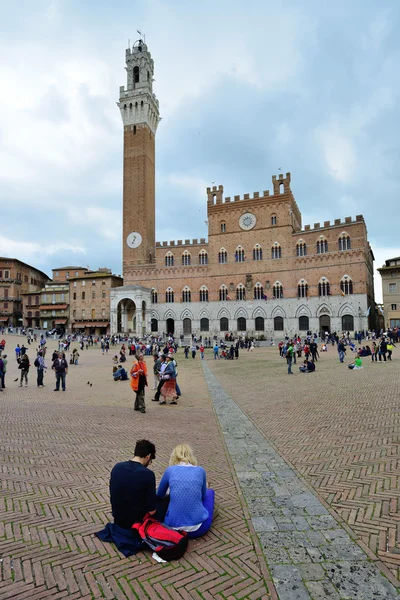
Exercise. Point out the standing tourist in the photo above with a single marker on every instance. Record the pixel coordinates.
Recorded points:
(216, 350)
(24, 366)
(202, 352)
(60, 367)
(40, 366)
(139, 382)
(4, 371)
(168, 390)
(289, 358)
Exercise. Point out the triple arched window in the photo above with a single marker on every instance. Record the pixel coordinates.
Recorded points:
(169, 259)
(222, 256)
(203, 294)
(258, 292)
(346, 285)
(186, 294)
(276, 251)
(322, 245)
(203, 257)
(223, 293)
(257, 252)
(302, 289)
(344, 242)
(154, 296)
(277, 290)
(186, 259)
(301, 248)
(169, 295)
(324, 288)
(239, 254)
(240, 292)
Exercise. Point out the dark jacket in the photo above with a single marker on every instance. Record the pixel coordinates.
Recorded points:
(60, 365)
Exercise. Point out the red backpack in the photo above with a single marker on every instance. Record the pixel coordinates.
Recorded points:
(168, 543)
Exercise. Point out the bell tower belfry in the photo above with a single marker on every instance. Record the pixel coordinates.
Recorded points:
(140, 116)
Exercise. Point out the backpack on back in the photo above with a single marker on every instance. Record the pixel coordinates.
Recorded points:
(165, 541)
(36, 363)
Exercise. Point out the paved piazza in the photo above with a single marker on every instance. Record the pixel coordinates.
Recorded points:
(305, 469)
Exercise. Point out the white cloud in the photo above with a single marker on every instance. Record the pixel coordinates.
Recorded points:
(338, 151)
(32, 252)
(106, 221)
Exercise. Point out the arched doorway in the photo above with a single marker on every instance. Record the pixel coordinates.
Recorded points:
(187, 326)
(126, 316)
(170, 326)
(325, 323)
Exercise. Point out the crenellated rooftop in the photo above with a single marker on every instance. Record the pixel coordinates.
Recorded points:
(174, 244)
(327, 224)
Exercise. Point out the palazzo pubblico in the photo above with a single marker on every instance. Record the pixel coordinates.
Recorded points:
(261, 272)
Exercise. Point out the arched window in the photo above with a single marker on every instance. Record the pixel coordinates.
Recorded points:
(257, 252)
(241, 324)
(203, 257)
(273, 219)
(259, 324)
(346, 285)
(277, 290)
(37, 302)
(223, 324)
(304, 323)
(324, 288)
(302, 289)
(239, 254)
(347, 323)
(240, 292)
(186, 294)
(276, 251)
(203, 294)
(154, 325)
(169, 295)
(186, 259)
(278, 324)
(169, 259)
(322, 245)
(344, 242)
(204, 324)
(223, 293)
(222, 227)
(222, 256)
(301, 248)
(258, 292)
(135, 74)
(154, 297)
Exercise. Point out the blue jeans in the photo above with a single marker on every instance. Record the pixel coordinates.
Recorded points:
(208, 503)
(60, 377)
(341, 356)
(289, 364)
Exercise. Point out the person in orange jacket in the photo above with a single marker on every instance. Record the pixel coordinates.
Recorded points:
(139, 382)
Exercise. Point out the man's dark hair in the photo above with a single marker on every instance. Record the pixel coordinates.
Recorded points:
(143, 448)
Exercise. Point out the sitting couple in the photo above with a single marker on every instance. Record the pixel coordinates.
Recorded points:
(182, 501)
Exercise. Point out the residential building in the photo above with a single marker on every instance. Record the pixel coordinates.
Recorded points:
(390, 273)
(16, 279)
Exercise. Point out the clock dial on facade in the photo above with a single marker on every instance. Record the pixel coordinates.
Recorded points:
(247, 221)
(134, 239)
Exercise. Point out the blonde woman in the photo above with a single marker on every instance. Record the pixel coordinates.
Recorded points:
(191, 502)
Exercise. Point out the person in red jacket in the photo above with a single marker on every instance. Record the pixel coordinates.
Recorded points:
(139, 382)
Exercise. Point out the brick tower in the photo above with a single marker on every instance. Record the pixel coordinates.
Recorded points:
(140, 116)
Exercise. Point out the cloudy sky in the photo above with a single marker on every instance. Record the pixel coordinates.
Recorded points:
(311, 87)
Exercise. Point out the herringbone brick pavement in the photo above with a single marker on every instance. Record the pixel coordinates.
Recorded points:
(338, 428)
(56, 453)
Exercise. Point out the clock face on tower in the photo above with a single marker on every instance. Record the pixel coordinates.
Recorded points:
(247, 221)
(134, 239)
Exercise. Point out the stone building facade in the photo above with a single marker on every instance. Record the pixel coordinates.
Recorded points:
(16, 279)
(260, 273)
(390, 273)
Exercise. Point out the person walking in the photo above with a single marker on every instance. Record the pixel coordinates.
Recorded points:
(289, 358)
(202, 352)
(216, 350)
(60, 367)
(24, 366)
(194, 351)
(4, 371)
(139, 382)
(382, 350)
(341, 350)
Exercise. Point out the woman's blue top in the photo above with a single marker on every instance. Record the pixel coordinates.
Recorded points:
(187, 488)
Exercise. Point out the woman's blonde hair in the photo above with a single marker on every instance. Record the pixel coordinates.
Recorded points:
(182, 453)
